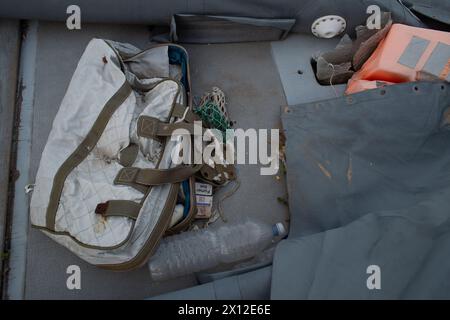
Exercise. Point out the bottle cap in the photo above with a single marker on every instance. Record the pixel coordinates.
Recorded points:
(278, 229)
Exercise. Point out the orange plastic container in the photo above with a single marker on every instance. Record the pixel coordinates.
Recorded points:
(406, 51)
(357, 85)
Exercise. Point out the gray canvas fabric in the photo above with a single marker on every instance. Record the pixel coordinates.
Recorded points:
(438, 10)
(222, 29)
(253, 285)
(368, 185)
(410, 251)
(160, 12)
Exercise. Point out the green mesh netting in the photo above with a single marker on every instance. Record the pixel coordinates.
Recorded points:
(211, 114)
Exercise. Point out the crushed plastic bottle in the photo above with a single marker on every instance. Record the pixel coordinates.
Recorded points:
(195, 251)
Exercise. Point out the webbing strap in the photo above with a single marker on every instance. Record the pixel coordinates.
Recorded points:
(128, 155)
(153, 177)
(119, 208)
(181, 112)
(219, 174)
(149, 127)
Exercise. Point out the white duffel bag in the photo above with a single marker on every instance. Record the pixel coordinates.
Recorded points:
(106, 187)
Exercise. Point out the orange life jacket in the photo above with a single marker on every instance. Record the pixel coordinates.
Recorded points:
(406, 54)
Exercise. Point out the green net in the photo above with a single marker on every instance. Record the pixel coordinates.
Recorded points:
(210, 114)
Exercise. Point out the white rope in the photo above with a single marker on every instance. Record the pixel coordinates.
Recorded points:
(331, 79)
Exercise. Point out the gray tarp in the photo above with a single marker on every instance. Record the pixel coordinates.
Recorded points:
(369, 184)
(188, 28)
(158, 12)
(438, 10)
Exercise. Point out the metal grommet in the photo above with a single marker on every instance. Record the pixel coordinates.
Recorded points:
(349, 100)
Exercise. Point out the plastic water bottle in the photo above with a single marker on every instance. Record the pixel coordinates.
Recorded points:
(195, 251)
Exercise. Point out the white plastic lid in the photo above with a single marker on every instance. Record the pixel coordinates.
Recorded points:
(328, 26)
(278, 229)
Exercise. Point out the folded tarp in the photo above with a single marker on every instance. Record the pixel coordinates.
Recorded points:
(369, 184)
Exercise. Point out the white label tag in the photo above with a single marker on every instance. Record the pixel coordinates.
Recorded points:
(204, 206)
(203, 189)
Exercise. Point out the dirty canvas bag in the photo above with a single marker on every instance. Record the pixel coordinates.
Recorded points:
(106, 187)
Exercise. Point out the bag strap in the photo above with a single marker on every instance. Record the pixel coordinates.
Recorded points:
(128, 155)
(119, 208)
(153, 177)
(184, 113)
(217, 175)
(149, 127)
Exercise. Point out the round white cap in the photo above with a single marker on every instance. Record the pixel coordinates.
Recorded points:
(328, 26)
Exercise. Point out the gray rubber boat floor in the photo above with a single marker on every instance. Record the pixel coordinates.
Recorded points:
(247, 73)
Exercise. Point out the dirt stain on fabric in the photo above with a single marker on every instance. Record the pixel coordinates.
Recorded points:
(100, 225)
(324, 170)
(350, 170)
